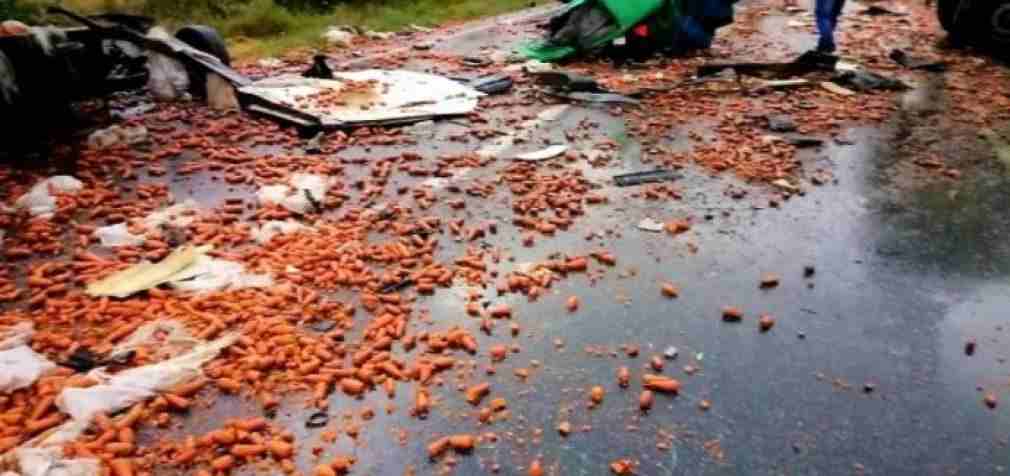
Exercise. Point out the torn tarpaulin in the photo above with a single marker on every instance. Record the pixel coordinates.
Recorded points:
(20, 366)
(302, 194)
(188, 269)
(119, 391)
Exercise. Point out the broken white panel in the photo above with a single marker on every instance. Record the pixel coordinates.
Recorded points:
(39, 201)
(211, 274)
(371, 96)
(548, 153)
(270, 229)
(120, 391)
(50, 462)
(179, 215)
(20, 366)
(117, 235)
(295, 195)
(648, 224)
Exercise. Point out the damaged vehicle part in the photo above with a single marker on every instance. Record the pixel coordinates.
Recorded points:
(46, 70)
(638, 28)
(809, 62)
(360, 98)
(977, 22)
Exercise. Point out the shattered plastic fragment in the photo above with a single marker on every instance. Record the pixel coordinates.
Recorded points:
(548, 153)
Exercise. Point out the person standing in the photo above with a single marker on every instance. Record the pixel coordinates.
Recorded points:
(827, 13)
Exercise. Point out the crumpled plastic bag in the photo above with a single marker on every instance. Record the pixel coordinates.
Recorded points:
(120, 391)
(115, 135)
(16, 335)
(171, 337)
(295, 195)
(40, 202)
(270, 229)
(50, 462)
(211, 274)
(20, 366)
(335, 36)
(168, 78)
(178, 215)
(117, 235)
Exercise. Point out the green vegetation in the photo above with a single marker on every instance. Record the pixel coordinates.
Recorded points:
(270, 27)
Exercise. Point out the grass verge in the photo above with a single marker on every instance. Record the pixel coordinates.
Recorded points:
(257, 28)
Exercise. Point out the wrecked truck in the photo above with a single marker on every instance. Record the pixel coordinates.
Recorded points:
(979, 22)
(44, 70)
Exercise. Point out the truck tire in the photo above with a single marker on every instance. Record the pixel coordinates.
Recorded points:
(995, 18)
(983, 23)
(207, 40)
(8, 83)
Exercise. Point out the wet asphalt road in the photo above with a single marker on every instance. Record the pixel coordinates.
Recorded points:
(905, 274)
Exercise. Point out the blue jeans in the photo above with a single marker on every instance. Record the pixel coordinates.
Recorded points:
(827, 13)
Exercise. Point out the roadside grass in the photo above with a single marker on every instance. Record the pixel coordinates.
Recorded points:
(258, 28)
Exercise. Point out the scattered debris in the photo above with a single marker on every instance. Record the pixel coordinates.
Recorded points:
(781, 124)
(20, 366)
(866, 81)
(188, 268)
(337, 36)
(317, 420)
(115, 135)
(595, 97)
(836, 89)
(544, 154)
(990, 400)
(301, 194)
(650, 225)
(639, 178)
(877, 10)
(806, 63)
(902, 58)
(117, 235)
(40, 201)
(731, 314)
(319, 69)
(494, 84)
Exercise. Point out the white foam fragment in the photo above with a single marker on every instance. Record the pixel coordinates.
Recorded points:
(270, 229)
(211, 274)
(117, 235)
(40, 202)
